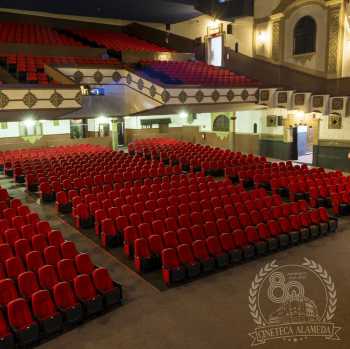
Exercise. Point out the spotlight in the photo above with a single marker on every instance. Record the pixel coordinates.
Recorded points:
(262, 37)
(102, 119)
(29, 122)
(183, 115)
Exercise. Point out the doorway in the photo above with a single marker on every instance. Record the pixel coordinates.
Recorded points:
(304, 144)
(78, 128)
(215, 50)
(103, 130)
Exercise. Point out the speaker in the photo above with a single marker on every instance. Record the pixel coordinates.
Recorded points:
(229, 29)
(167, 26)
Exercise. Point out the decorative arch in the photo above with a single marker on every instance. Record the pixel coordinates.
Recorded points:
(221, 123)
(304, 36)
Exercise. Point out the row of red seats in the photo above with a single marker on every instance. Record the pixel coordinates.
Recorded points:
(40, 61)
(135, 225)
(189, 259)
(9, 159)
(31, 69)
(321, 188)
(35, 162)
(193, 157)
(28, 33)
(195, 72)
(85, 207)
(37, 269)
(118, 41)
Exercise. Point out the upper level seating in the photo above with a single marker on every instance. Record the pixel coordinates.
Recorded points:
(194, 73)
(28, 68)
(118, 41)
(25, 33)
(46, 285)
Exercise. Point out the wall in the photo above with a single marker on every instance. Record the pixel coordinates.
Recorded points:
(263, 8)
(12, 143)
(198, 28)
(346, 45)
(11, 131)
(62, 128)
(315, 62)
(334, 134)
(333, 147)
(203, 121)
(52, 136)
(246, 119)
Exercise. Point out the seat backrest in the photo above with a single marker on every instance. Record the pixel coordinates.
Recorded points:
(252, 235)
(213, 244)
(28, 231)
(11, 236)
(185, 254)
(84, 288)
(22, 247)
(52, 255)
(8, 291)
(19, 314)
(64, 296)
(43, 227)
(170, 239)
(55, 238)
(210, 228)
(39, 242)
(200, 250)
(66, 270)
(5, 252)
(141, 248)
(42, 305)
(84, 264)
(102, 280)
(47, 277)
(227, 241)
(34, 260)
(170, 259)
(14, 267)
(184, 236)
(27, 284)
(156, 244)
(68, 250)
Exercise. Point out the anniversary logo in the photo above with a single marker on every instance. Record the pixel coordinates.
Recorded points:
(293, 303)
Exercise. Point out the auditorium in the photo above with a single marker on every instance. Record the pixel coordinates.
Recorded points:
(174, 174)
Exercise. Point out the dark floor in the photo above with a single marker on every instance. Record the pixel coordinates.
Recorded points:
(211, 312)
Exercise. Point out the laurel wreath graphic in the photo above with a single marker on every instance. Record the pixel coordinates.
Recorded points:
(254, 289)
(312, 265)
(328, 282)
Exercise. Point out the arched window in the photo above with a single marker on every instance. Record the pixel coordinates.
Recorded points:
(221, 123)
(305, 36)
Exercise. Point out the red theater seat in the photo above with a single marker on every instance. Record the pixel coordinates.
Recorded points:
(22, 322)
(67, 303)
(111, 293)
(86, 293)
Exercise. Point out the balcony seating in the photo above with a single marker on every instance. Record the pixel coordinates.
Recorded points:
(118, 41)
(193, 73)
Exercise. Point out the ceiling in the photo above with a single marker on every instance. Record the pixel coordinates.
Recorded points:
(164, 11)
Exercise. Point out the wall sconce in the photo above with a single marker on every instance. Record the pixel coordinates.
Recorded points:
(262, 37)
(300, 114)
